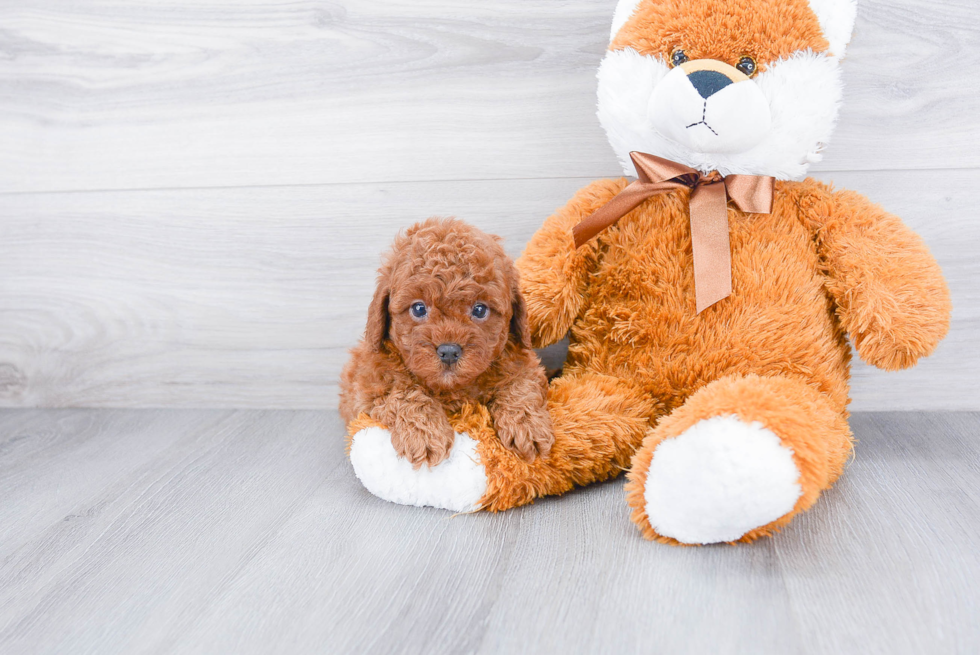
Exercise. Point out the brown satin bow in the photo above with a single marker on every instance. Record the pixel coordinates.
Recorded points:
(709, 215)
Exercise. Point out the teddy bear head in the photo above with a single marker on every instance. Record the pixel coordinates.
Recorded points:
(739, 86)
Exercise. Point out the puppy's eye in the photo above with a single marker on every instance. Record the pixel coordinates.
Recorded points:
(746, 65)
(678, 57)
(480, 311)
(419, 310)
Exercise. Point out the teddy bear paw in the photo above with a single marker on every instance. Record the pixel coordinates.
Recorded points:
(458, 483)
(718, 480)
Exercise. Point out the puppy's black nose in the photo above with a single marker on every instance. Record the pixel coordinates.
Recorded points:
(708, 83)
(449, 352)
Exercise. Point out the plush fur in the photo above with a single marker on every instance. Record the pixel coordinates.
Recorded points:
(646, 105)
(395, 375)
(458, 483)
(719, 479)
(822, 265)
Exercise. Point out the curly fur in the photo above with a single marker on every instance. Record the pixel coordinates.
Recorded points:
(394, 374)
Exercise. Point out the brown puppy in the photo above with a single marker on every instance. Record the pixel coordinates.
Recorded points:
(447, 325)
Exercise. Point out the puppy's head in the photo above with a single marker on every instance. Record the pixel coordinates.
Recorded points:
(448, 301)
(737, 86)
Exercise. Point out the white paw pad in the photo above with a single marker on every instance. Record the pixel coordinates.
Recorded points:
(718, 480)
(457, 483)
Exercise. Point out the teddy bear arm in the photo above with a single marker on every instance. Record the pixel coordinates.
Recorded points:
(554, 273)
(890, 293)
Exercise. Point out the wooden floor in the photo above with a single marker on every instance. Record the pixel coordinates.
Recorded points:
(125, 531)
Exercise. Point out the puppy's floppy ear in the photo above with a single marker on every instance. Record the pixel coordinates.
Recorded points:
(378, 318)
(519, 329)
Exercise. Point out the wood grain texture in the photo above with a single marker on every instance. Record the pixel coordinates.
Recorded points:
(247, 532)
(193, 197)
(251, 297)
(110, 95)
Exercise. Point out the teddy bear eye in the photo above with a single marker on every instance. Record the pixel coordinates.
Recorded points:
(746, 65)
(479, 311)
(419, 310)
(678, 57)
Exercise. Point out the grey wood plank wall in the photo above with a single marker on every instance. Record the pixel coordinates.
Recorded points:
(193, 198)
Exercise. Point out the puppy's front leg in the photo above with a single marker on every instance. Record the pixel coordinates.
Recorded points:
(420, 431)
(520, 415)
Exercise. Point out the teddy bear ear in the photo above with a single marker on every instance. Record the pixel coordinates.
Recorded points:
(837, 22)
(624, 9)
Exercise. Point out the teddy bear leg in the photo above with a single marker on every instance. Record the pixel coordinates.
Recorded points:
(458, 483)
(599, 422)
(737, 461)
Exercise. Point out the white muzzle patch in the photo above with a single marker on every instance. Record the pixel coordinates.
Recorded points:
(793, 104)
(707, 112)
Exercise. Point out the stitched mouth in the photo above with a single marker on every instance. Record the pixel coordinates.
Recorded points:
(704, 113)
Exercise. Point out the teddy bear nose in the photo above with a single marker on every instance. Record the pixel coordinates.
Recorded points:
(449, 352)
(708, 83)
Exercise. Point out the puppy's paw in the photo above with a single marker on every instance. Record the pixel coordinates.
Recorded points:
(525, 431)
(422, 439)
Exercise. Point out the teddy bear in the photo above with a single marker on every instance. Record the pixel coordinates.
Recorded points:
(710, 305)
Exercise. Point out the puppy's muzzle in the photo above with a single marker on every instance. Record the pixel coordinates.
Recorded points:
(449, 353)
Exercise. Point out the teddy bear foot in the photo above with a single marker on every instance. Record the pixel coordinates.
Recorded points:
(458, 483)
(719, 480)
(737, 461)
